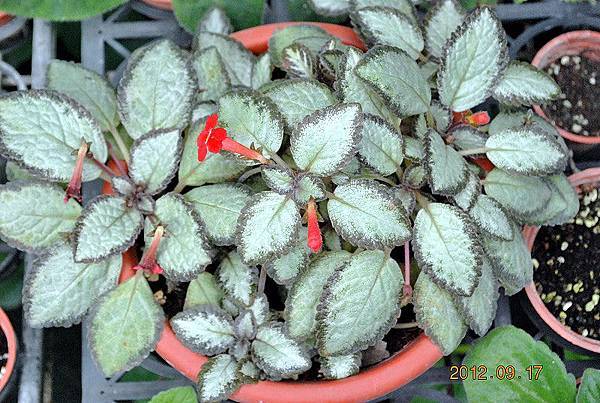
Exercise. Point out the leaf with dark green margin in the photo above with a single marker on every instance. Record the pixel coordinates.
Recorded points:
(243, 13)
(442, 116)
(441, 20)
(204, 329)
(388, 26)
(415, 176)
(308, 186)
(29, 225)
(286, 268)
(490, 217)
(276, 218)
(341, 366)
(106, 227)
(406, 197)
(239, 281)
(365, 214)
(445, 167)
(437, 314)
(473, 61)
(47, 120)
(514, 347)
(466, 198)
(88, 88)
(279, 179)
(154, 159)
(215, 20)
(277, 354)
(125, 326)
(180, 394)
(360, 303)
(298, 61)
(59, 292)
(466, 137)
(447, 248)
(59, 10)
(414, 149)
(238, 60)
(524, 84)
(562, 206)
(283, 38)
(381, 145)
(184, 251)
(157, 90)
(211, 73)
(396, 77)
(589, 390)
(218, 378)
(262, 71)
(203, 290)
(303, 297)
(219, 207)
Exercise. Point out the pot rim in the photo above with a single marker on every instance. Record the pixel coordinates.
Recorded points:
(538, 61)
(587, 176)
(11, 339)
(401, 368)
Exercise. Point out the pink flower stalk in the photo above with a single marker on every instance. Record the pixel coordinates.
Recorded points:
(148, 262)
(315, 240)
(74, 187)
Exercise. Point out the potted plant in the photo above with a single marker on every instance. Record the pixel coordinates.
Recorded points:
(564, 295)
(8, 351)
(572, 58)
(273, 233)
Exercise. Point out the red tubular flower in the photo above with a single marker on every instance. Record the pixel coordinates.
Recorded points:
(315, 240)
(473, 119)
(214, 139)
(74, 187)
(148, 262)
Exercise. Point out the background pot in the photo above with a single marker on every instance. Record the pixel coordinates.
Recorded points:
(545, 320)
(416, 357)
(11, 338)
(162, 4)
(571, 43)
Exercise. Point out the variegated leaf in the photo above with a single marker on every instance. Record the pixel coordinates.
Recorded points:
(510, 260)
(245, 325)
(406, 7)
(365, 214)
(353, 89)
(216, 21)
(396, 77)
(204, 329)
(179, 394)
(406, 197)
(414, 148)
(283, 38)
(184, 250)
(286, 268)
(330, 8)
(437, 314)
(154, 159)
(279, 179)
(261, 71)
(238, 60)
(125, 326)
(415, 176)
(252, 119)
(108, 226)
(526, 151)
(388, 26)
(260, 309)
(562, 206)
(589, 389)
(218, 207)
(466, 198)
(276, 218)
(303, 298)
(520, 195)
(381, 145)
(59, 292)
(324, 155)
(308, 186)
(442, 116)
(447, 248)
(277, 354)
(298, 61)
(29, 225)
(297, 98)
(218, 378)
(157, 90)
(203, 290)
(466, 137)
(340, 366)
(46, 120)
(86, 87)
(524, 84)
(441, 20)
(472, 61)
(211, 73)
(491, 218)
(445, 167)
(238, 280)
(479, 310)
(360, 303)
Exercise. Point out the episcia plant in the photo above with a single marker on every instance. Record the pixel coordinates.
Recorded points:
(222, 177)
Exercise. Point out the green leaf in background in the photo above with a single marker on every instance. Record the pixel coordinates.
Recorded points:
(203, 290)
(88, 88)
(58, 10)
(508, 345)
(125, 326)
(181, 394)
(441, 20)
(524, 84)
(360, 303)
(29, 225)
(243, 13)
(589, 390)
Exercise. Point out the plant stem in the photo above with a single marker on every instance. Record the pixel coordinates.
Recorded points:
(262, 279)
(408, 325)
(407, 262)
(421, 200)
(116, 160)
(248, 174)
(473, 151)
(430, 119)
(120, 143)
(103, 167)
(279, 161)
(383, 179)
(179, 187)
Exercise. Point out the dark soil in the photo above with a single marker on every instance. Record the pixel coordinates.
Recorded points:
(3, 354)
(578, 108)
(566, 271)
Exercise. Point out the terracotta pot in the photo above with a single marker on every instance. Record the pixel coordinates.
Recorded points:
(162, 4)
(569, 337)
(4, 18)
(11, 338)
(416, 358)
(570, 43)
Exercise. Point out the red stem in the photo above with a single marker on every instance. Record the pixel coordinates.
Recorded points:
(103, 167)
(116, 160)
(407, 288)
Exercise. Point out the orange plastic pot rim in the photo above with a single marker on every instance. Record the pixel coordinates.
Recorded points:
(11, 339)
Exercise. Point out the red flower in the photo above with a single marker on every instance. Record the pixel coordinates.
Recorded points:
(211, 138)
(473, 119)
(148, 262)
(315, 240)
(74, 187)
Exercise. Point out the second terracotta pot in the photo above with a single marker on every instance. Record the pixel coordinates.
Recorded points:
(9, 333)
